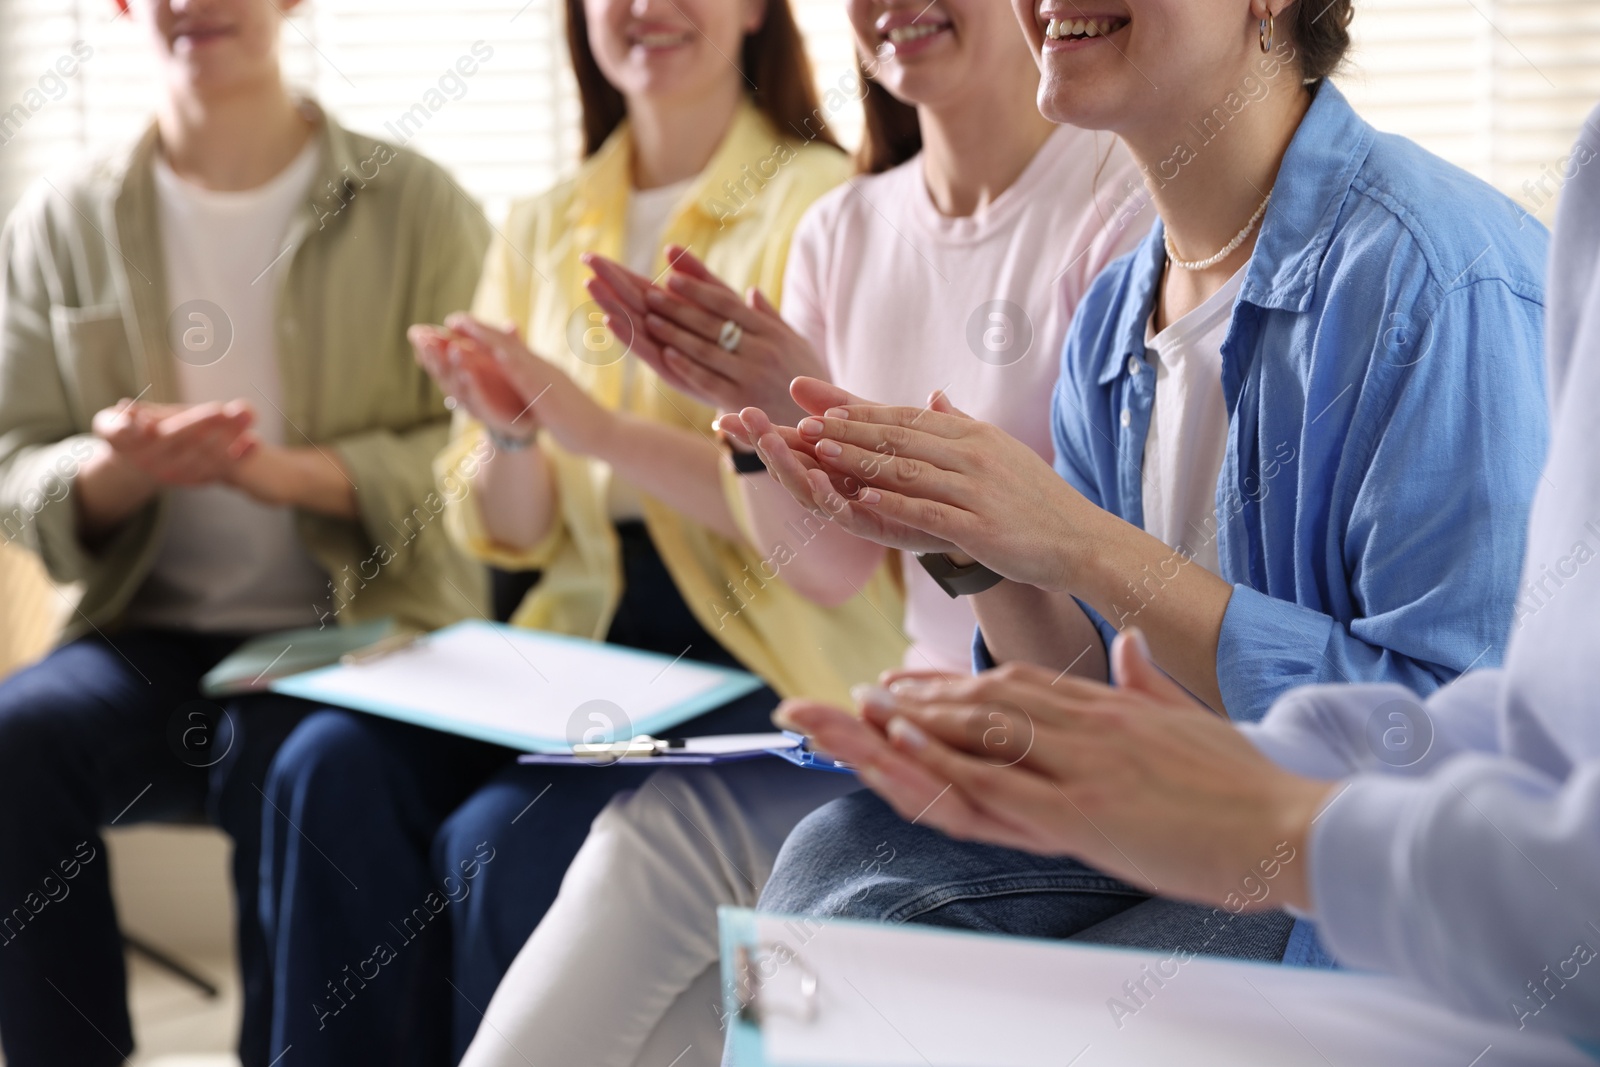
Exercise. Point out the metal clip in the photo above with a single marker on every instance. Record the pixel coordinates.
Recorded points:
(748, 960)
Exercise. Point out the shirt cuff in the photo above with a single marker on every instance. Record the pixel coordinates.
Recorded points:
(1357, 869)
(1266, 646)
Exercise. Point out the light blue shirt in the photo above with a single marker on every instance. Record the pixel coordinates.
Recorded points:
(1464, 851)
(1385, 394)
(1387, 421)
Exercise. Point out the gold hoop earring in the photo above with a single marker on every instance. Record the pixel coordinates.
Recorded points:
(1268, 31)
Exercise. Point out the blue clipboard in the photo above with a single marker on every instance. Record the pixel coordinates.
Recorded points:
(797, 751)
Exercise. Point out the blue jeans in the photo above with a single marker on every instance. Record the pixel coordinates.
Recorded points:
(855, 858)
(404, 868)
(113, 730)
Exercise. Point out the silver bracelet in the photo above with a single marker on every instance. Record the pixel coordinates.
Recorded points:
(509, 444)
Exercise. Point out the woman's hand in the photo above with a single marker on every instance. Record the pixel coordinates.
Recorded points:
(790, 460)
(508, 387)
(477, 385)
(961, 482)
(682, 323)
(1139, 780)
(178, 444)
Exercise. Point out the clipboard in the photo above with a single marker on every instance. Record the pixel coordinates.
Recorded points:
(256, 664)
(704, 751)
(819, 992)
(530, 690)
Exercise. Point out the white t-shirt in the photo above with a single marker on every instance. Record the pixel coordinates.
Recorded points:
(227, 563)
(1188, 436)
(649, 212)
(900, 300)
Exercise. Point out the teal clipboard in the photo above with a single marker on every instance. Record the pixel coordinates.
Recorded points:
(736, 927)
(478, 647)
(740, 944)
(254, 665)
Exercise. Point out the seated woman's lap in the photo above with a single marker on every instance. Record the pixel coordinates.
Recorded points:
(535, 818)
(409, 811)
(855, 858)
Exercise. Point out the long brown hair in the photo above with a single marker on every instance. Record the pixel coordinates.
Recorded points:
(892, 133)
(773, 61)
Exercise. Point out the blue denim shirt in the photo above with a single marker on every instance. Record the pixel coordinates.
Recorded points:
(1385, 391)
(1384, 380)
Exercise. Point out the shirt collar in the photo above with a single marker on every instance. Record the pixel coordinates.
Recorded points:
(607, 176)
(343, 165)
(1314, 181)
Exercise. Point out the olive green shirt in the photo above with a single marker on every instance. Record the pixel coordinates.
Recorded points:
(387, 240)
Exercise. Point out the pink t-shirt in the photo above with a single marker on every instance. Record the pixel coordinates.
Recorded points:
(900, 300)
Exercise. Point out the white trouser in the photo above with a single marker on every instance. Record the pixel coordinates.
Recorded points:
(624, 968)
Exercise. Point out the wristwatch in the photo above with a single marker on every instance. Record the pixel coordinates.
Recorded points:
(746, 462)
(743, 462)
(958, 581)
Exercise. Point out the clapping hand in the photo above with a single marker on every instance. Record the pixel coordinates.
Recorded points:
(507, 387)
(179, 445)
(703, 339)
(1138, 780)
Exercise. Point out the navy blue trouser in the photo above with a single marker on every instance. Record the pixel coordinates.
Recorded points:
(404, 868)
(112, 730)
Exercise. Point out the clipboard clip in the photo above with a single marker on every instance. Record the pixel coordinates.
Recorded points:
(755, 965)
(642, 747)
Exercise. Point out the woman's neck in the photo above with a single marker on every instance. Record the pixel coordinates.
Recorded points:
(235, 140)
(1207, 182)
(673, 141)
(973, 151)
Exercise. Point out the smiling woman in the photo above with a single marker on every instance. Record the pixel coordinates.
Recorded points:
(773, 55)
(597, 474)
(1245, 465)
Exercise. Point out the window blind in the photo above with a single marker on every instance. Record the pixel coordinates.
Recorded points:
(1499, 87)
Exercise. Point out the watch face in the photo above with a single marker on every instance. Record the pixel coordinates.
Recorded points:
(957, 581)
(747, 462)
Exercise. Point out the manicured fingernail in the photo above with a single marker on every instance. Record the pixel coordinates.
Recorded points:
(655, 297)
(907, 734)
(831, 449)
(836, 413)
(871, 696)
(810, 427)
(869, 496)
(783, 721)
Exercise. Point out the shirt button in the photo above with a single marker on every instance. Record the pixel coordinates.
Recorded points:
(1127, 418)
(1133, 366)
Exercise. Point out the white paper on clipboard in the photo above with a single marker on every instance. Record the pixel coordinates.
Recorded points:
(525, 689)
(846, 994)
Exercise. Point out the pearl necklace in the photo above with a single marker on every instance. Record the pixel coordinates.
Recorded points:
(1227, 249)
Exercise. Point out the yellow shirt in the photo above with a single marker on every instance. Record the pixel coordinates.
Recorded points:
(738, 217)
